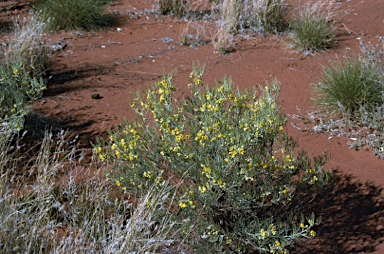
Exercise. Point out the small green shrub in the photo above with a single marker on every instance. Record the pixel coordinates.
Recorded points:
(239, 171)
(346, 87)
(18, 91)
(313, 28)
(73, 14)
(362, 79)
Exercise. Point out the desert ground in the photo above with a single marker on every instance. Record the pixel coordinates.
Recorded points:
(133, 54)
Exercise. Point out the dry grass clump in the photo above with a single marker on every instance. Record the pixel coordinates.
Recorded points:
(195, 33)
(175, 7)
(260, 16)
(223, 41)
(43, 212)
(230, 13)
(28, 47)
(313, 27)
(256, 16)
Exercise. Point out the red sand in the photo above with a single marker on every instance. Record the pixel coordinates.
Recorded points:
(103, 62)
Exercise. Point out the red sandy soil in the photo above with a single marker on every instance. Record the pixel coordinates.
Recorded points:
(116, 64)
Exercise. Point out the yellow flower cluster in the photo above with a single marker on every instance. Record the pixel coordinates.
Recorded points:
(314, 179)
(148, 174)
(184, 204)
(203, 189)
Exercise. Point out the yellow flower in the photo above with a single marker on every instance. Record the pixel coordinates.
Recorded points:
(148, 174)
(208, 170)
(313, 233)
(267, 89)
(262, 232)
(202, 189)
(118, 183)
(277, 244)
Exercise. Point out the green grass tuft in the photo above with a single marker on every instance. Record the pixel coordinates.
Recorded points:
(313, 28)
(74, 14)
(346, 87)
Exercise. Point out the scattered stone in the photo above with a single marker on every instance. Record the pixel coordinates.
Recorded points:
(95, 96)
(167, 40)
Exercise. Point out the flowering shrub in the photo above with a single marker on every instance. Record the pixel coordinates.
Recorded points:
(18, 90)
(238, 169)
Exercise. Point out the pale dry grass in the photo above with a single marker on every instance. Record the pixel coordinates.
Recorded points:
(195, 33)
(259, 16)
(28, 46)
(175, 7)
(223, 41)
(56, 206)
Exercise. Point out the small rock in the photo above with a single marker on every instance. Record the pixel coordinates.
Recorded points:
(167, 40)
(95, 96)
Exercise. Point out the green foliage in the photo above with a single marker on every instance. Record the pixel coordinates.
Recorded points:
(345, 88)
(18, 91)
(73, 14)
(358, 84)
(313, 28)
(238, 173)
